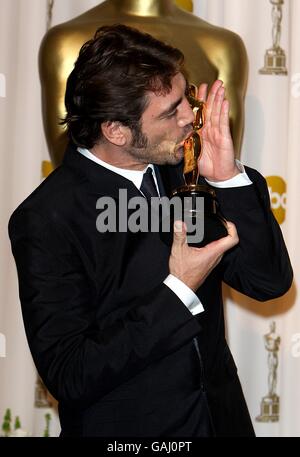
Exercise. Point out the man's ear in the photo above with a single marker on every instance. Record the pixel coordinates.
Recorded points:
(116, 133)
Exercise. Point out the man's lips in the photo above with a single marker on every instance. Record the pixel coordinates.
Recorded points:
(184, 139)
(188, 135)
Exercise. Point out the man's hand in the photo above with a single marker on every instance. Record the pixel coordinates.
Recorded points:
(192, 265)
(216, 162)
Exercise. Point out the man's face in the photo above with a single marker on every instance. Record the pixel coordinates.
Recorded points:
(165, 124)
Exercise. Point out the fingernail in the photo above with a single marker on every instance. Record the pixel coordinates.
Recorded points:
(178, 226)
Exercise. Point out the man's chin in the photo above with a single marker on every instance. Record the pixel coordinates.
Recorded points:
(177, 155)
(172, 157)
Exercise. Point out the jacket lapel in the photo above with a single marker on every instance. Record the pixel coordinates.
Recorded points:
(103, 181)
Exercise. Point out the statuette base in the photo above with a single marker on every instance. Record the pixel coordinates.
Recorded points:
(269, 409)
(275, 62)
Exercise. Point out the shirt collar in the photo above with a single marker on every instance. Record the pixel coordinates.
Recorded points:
(135, 176)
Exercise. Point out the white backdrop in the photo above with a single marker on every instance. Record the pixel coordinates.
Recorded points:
(271, 144)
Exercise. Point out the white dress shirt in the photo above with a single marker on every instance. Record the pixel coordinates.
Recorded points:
(183, 292)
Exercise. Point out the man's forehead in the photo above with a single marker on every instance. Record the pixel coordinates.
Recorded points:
(178, 82)
(165, 99)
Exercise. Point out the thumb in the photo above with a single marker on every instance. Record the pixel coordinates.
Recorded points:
(179, 234)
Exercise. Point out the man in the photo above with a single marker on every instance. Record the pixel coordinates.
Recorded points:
(126, 332)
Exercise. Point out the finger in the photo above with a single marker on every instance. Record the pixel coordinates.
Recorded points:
(211, 98)
(231, 229)
(232, 238)
(216, 108)
(179, 238)
(224, 244)
(224, 119)
(202, 92)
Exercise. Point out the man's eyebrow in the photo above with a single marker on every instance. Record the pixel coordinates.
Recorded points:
(175, 104)
(171, 108)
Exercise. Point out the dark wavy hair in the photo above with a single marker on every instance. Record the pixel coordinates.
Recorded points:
(111, 78)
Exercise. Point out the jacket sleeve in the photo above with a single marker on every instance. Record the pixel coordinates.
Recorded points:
(259, 266)
(79, 359)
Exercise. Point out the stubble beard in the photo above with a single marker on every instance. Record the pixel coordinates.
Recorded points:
(166, 152)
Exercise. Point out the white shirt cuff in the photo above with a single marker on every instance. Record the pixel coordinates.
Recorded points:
(185, 294)
(237, 181)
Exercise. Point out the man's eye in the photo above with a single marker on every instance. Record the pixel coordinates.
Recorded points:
(172, 114)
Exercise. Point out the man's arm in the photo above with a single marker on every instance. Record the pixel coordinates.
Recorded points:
(259, 266)
(79, 357)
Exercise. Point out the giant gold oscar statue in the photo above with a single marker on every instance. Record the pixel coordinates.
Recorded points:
(211, 52)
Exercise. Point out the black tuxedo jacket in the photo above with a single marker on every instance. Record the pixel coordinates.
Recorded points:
(116, 347)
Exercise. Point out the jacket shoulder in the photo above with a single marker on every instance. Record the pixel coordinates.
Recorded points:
(55, 193)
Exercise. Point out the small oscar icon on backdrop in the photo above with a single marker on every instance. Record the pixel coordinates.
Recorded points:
(205, 215)
(275, 58)
(270, 403)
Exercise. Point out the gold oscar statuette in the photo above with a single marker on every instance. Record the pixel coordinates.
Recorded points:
(275, 58)
(269, 407)
(206, 214)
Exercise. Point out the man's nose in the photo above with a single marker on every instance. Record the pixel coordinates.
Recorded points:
(186, 115)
